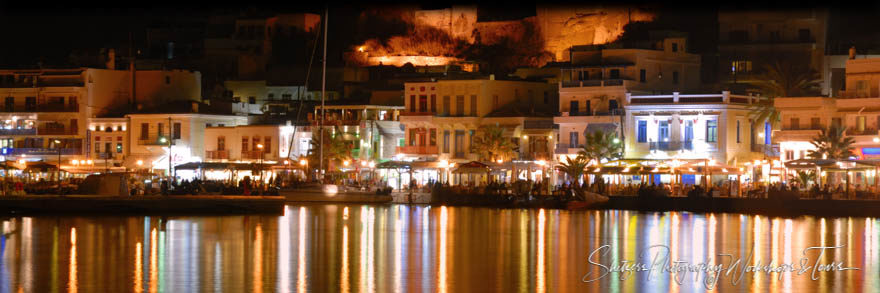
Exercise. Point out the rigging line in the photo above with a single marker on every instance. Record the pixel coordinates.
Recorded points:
(305, 85)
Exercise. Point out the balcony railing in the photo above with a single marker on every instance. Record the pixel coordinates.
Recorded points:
(30, 131)
(217, 155)
(534, 156)
(252, 155)
(771, 150)
(56, 131)
(417, 150)
(40, 108)
(867, 131)
(672, 145)
(567, 149)
(592, 83)
(407, 113)
(811, 127)
(39, 151)
(153, 141)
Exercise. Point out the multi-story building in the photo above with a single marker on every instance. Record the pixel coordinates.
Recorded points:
(184, 132)
(751, 40)
(373, 130)
(442, 116)
(595, 84)
(109, 144)
(260, 96)
(46, 111)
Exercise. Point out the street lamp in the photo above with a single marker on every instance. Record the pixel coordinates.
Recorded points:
(304, 163)
(58, 147)
(260, 160)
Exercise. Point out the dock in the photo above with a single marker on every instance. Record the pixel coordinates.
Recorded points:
(151, 204)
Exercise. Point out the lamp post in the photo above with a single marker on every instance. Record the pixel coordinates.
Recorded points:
(260, 160)
(58, 147)
(304, 163)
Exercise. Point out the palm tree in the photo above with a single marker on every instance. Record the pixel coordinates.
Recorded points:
(803, 178)
(782, 79)
(574, 168)
(491, 145)
(336, 148)
(601, 145)
(832, 144)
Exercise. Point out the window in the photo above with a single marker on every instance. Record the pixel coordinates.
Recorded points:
(446, 110)
(10, 104)
(789, 155)
(768, 130)
(612, 105)
(412, 103)
(663, 131)
(459, 105)
(118, 147)
(494, 102)
(737, 132)
(471, 137)
(738, 36)
(286, 97)
(688, 130)
(267, 147)
(433, 103)
(107, 147)
(145, 131)
(446, 141)
(573, 139)
(254, 142)
(221, 143)
(176, 130)
(244, 143)
(860, 123)
(642, 131)
(423, 103)
(473, 105)
(459, 144)
(643, 75)
(741, 66)
(119, 128)
(711, 131)
(862, 88)
(271, 97)
(588, 107)
(433, 138)
(815, 124)
(97, 147)
(804, 35)
(675, 77)
(615, 74)
(795, 123)
(412, 137)
(774, 36)
(573, 107)
(674, 47)
(252, 100)
(161, 130)
(167, 80)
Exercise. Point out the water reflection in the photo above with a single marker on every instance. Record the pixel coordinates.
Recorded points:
(360, 248)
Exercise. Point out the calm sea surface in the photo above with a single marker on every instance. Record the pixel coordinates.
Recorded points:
(400, 248)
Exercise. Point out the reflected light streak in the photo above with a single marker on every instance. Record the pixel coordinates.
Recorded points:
(138, 268)
(786, 258)
(154, 267)
(284, 251)
(343, 279)
(72, 282)
(258, 259)
(441, 278)
(301, 254)
(542, 220)
(398, 229)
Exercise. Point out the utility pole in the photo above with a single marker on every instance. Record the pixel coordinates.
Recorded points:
(170, 137)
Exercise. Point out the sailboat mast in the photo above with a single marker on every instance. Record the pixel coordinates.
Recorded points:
(323, 96)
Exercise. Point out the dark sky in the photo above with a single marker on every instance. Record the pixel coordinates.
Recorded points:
(50, 33)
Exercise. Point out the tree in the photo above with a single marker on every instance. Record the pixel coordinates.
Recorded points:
(336, 148)
(574, 168)
(491, 145)
(832, 144)
(803, 178)
(782, 79)
(601, 145)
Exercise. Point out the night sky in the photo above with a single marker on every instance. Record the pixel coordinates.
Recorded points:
(51, 33)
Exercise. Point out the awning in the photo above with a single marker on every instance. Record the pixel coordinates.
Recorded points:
(219, 166)
(394, 165)
(40, 167)
(472, 167)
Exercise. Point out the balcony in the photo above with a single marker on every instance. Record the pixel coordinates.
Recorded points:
(592, 83)
(672, 145)
(562, 149)
(417, 150)
(866, 131)
(40, 108)
(39, 151)
(407, 113)
(153, 140)
(56, 131)
(217, 155)
(252, 155)
(771, 150)
(536, 156)
(30, 131)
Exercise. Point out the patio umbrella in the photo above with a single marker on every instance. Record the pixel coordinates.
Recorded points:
(472, 167)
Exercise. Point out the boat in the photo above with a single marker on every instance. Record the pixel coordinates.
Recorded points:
(334, 193)
(592, 200)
